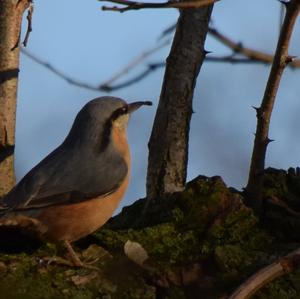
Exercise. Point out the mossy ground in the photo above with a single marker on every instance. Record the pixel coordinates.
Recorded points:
(202, 244)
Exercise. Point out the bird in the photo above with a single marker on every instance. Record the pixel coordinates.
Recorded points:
(75, 189)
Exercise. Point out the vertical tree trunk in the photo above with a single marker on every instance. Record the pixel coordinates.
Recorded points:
(264, 112)
(168, 145)
(11, 12)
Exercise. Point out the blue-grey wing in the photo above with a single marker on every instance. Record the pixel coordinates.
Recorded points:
(65, 177)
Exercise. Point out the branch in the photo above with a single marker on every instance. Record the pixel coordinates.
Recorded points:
(252, 56)
(264, 112)
(57, 72)
(237, 47)
(284, 265)
(133, 5)
(137, 60)
(105, 86)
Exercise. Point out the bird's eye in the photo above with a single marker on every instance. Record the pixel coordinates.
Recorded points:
(124, 109)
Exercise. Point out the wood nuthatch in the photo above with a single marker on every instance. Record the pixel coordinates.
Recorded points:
(77, 187)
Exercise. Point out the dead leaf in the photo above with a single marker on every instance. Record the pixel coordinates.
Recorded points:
(135, 252)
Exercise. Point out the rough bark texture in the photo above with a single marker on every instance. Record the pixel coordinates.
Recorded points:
(11, 12)
(264, 112)
(168, 145)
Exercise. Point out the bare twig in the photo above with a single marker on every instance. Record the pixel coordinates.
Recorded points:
(107, 85)
(280, 61)
(252, 54)
(57, 72)
(150, 68)
(284, 265)
(29, 23)
(134, 5)
(137, 60)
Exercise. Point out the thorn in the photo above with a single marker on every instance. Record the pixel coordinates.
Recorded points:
(290, 59)
(268, 140)
(258, 111)
(205, 52)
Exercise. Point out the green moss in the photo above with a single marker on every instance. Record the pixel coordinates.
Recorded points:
(209, 223)
(206, 225)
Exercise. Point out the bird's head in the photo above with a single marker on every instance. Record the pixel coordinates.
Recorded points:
(94, 122)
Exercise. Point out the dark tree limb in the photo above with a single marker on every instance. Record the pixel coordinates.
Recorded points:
(168, 144)
(11, 12)
(134, 5)
(258, 280)
(263, 113)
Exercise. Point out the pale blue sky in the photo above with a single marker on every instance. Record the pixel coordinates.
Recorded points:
(91, 45)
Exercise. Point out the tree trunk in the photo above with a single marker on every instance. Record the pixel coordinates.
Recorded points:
(264, 112)
(168, 145)
(11, 12)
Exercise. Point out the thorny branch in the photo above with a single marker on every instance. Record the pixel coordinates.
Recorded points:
(264, 112)
(134, 5)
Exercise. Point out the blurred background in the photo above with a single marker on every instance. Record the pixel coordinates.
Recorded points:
(92, 45)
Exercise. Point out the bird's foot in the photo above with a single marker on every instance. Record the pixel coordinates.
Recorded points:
(76, 260)
(47, 261)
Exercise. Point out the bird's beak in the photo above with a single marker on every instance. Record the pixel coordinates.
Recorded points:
(136, 105)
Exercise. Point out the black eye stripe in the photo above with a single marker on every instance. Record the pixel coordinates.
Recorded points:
(119, 112)
(104, 141)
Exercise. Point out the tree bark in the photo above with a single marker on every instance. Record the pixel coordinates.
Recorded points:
(11, 12)
(168, 144)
